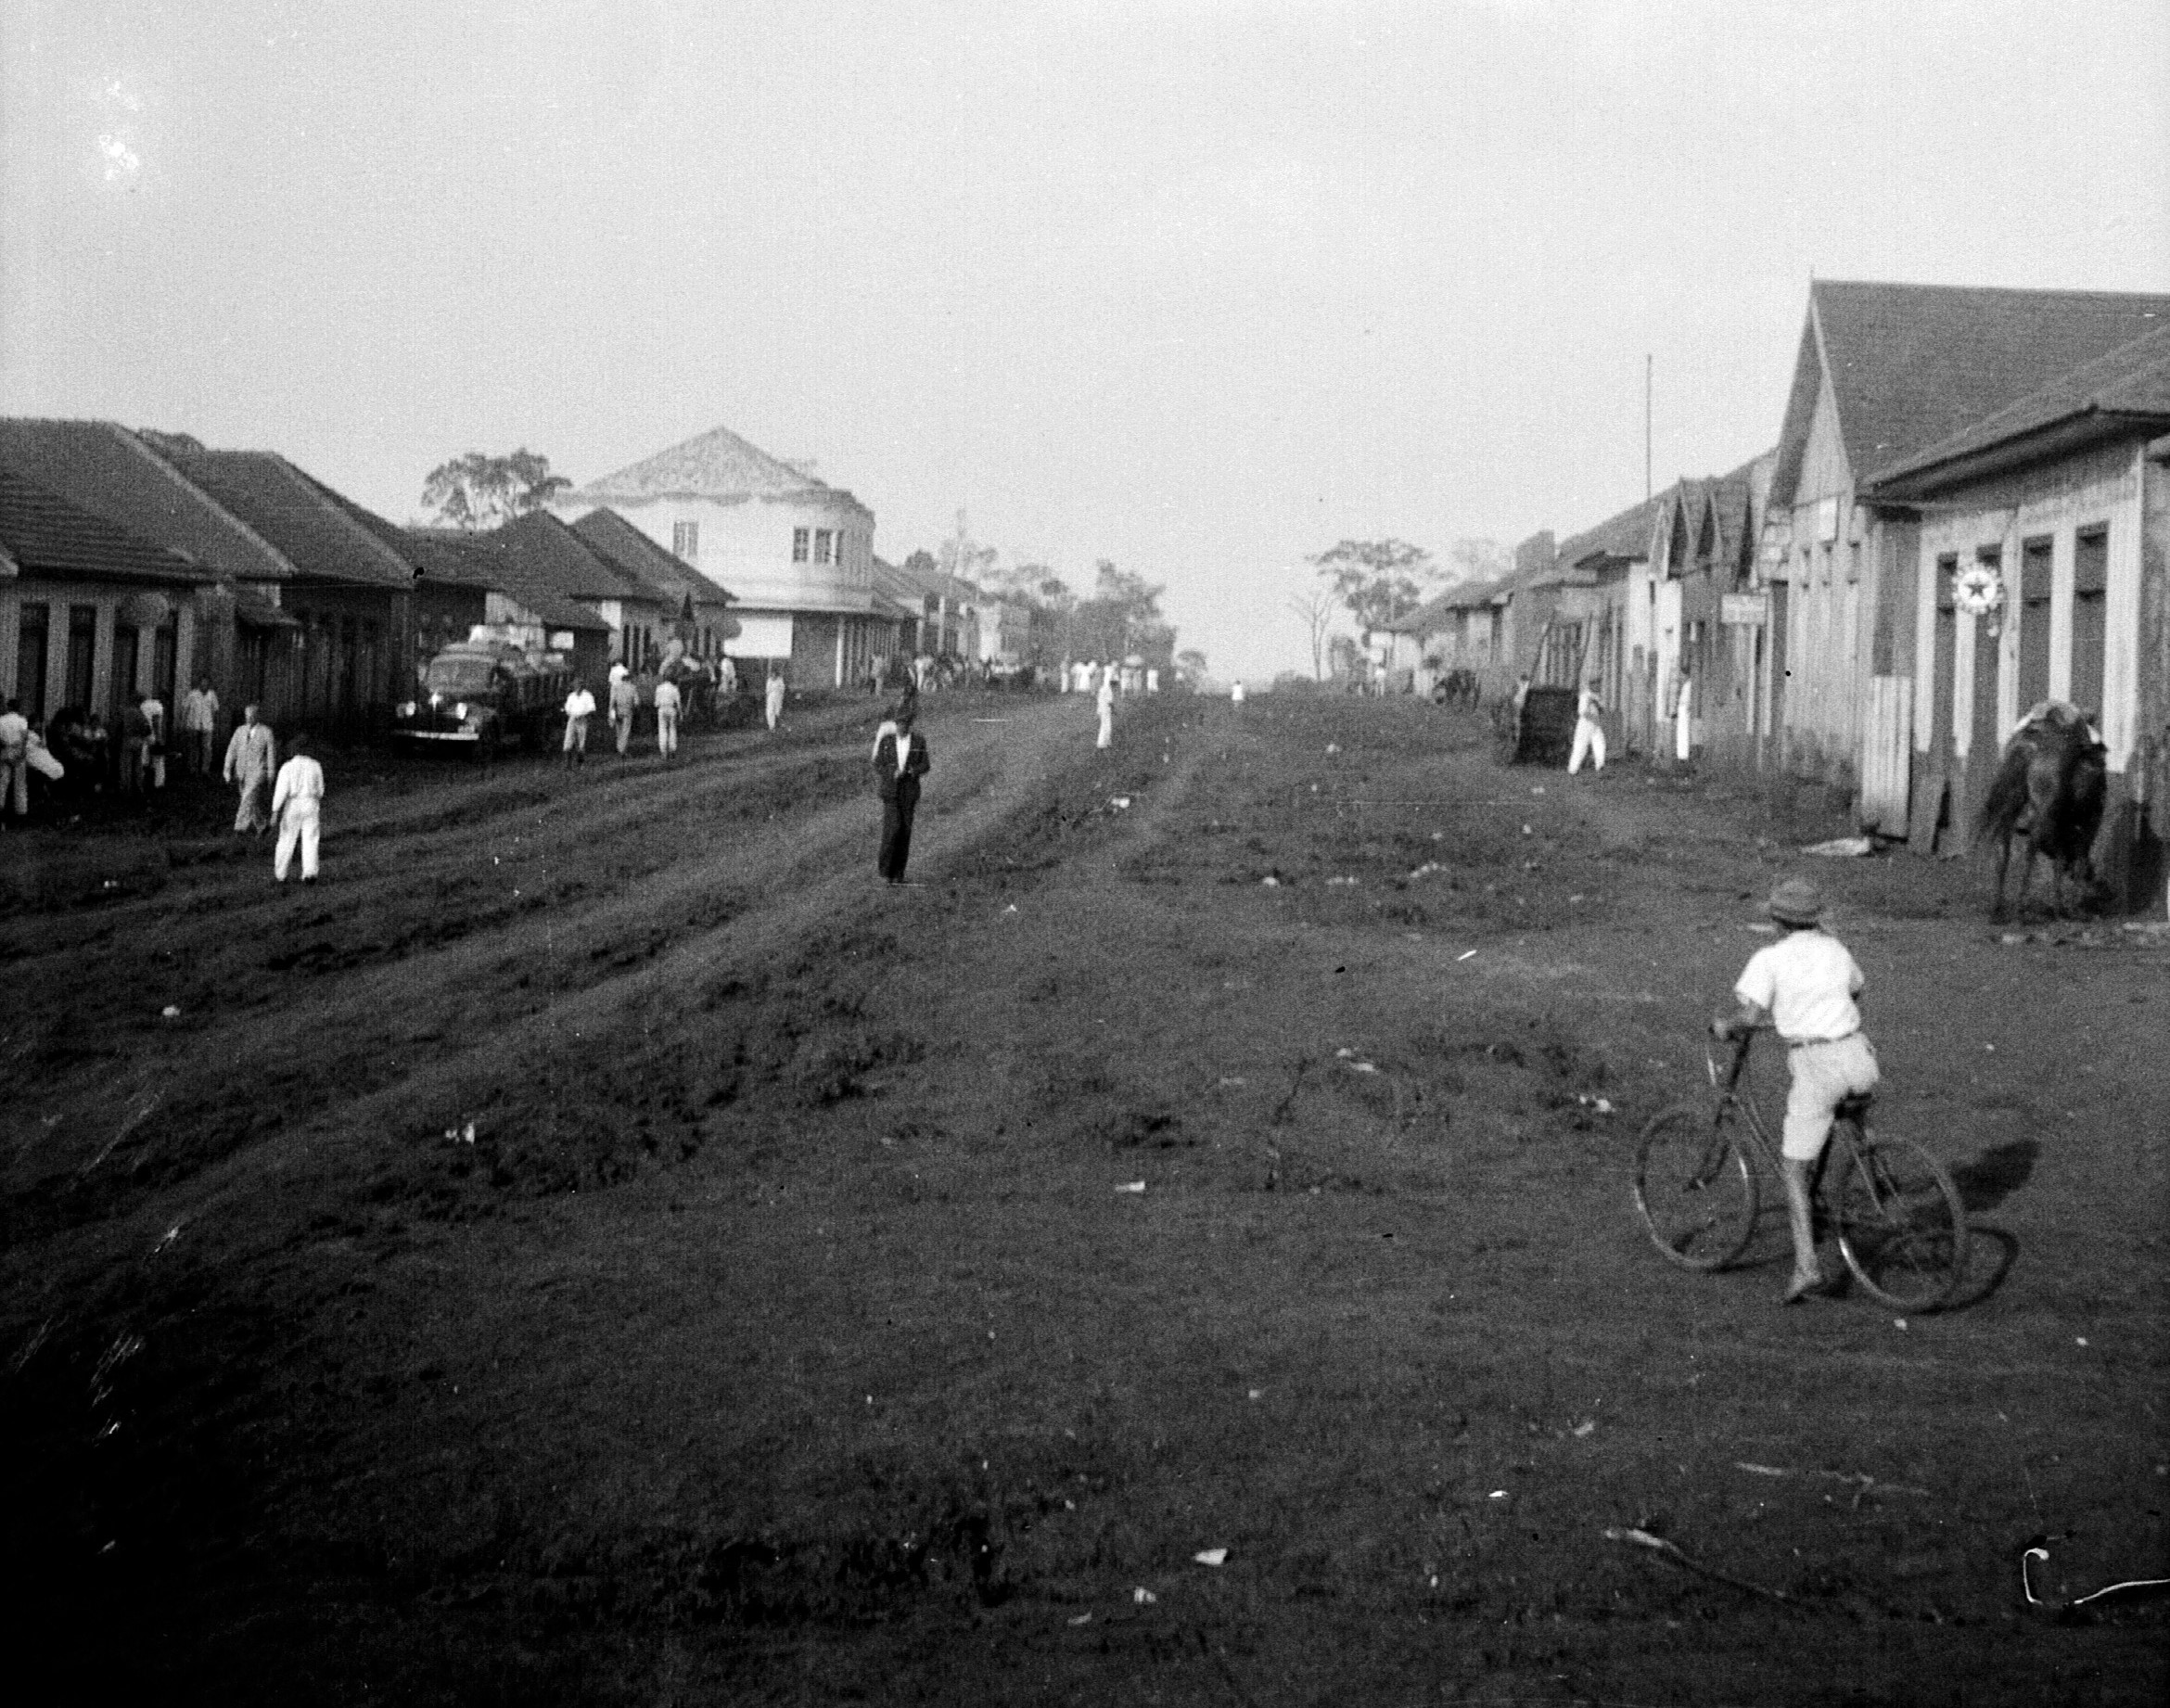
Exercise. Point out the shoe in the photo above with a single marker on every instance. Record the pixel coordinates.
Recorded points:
(1805, 1286)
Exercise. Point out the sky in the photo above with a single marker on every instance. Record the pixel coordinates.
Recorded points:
(1200, 288)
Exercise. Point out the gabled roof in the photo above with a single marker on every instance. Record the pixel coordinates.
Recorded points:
(102, 467)
(2125, 391)
(571, 565)
(43, 533)
(1911, 364)
(476, 560)
(717, 465)
(633, 554)
(282, 504)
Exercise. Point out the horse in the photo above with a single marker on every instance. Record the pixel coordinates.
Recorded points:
(2049, 789)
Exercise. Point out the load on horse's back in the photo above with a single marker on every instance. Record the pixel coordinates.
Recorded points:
(2049, 789)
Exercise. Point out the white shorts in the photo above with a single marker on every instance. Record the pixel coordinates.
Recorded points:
(1823, 1075)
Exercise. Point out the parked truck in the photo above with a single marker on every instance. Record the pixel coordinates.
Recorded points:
(486, 693)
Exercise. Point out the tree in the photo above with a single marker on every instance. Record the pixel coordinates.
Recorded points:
(1123, 617)
(1190, 665)
(1379, 580)
(1316, 609)
(477, 491)
(1479, 560)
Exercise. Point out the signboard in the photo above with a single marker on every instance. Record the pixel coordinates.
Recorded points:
(1746, 611)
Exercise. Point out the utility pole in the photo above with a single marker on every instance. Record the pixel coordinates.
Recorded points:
(1646, 379)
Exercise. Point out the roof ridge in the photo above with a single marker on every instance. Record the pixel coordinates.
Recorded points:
(158, 461)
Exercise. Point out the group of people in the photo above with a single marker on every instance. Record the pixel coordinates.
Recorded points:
(623, 702)
(77, 748)
(289, 796)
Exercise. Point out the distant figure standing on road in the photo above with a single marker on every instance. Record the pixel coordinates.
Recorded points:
(251, 759)
(1589, 735)
(154, 713)
(667, 705)
(200, 724)
(900, 759)
(294, 801)
(15, 759)
(1235, 693)
(1683, 727)
(1106, 698)
(625, 704)
(579, 706)
(772, 698)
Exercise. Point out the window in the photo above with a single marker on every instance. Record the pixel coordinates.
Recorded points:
(822, 539)
(30, 660)
(2034, 622)
(798, 540)
(686, 541)
(2090, 590)
(83, 649)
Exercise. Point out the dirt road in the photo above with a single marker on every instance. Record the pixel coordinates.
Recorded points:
(602, 1245)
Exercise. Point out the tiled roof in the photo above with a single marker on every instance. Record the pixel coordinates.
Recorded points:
(282, 504)
(2130, 385)
(566, 563)
(44, 534)
(632, 552)
(103, 468)
(1911, 364)
(474, 560)
(717, 465)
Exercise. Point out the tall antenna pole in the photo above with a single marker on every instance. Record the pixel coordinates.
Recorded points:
(1646, 379)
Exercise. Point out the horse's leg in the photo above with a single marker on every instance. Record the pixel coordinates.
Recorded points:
(1996, 914)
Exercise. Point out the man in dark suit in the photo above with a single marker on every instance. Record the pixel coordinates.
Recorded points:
(899, 762)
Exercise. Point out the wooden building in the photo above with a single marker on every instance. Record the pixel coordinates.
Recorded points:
(2056, 508)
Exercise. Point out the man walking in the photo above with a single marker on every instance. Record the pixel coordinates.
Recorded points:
(579, 706)
(1589, 735)
(773, 703)
(199, 725)
(294, 801)
(154, 714)
(900, 759)
(625, 703)
(1106, 700)
(667, 707)
(251, 759)
(15, 759)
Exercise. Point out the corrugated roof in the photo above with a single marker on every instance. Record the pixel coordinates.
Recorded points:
(2131, 383)
(716, 465)
(102, 467)
(322, 539)
(45, 534)
(476, 560)
(1911, 364)
(632, 552)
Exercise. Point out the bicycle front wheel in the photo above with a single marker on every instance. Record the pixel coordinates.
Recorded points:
(1902, 1224)
(1696, 1185)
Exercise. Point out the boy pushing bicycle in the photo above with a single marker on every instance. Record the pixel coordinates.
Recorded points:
(1803, 986)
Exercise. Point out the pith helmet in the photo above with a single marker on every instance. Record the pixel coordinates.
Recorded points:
(1795, 901)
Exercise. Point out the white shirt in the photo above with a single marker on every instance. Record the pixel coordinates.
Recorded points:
(1236, 693)
(199, 709)
(14, 732)
(666, 696)
(1589, 705)
(579, 703)
(301, 784)
(1807, 981)
(1106, 694)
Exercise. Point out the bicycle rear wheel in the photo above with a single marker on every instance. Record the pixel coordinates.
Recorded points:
(1696, 1184)
(1902, 1225)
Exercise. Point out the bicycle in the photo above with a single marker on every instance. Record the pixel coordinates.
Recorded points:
(1901, 1224)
